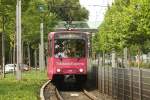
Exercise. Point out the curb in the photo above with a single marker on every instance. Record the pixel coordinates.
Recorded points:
(42, 90)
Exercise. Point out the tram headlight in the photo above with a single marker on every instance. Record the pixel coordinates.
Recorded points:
(81, 70)
(58, 70)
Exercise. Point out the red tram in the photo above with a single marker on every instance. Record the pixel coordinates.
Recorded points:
(67, 54)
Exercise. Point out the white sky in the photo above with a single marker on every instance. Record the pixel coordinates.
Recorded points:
(97, 9)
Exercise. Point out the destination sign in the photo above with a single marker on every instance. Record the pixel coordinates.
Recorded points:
(69, 64)
(69, 36)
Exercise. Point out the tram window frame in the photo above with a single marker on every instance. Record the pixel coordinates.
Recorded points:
(50, 48)
(71, 50)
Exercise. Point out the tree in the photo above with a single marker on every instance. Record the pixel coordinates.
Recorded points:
(125, 24)
(68, 10)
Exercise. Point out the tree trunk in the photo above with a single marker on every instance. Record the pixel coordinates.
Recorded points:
(10, 55)
(14, 56)
(103, 59)
(0, 52)
(138, 57)
(24, 56)
(22, 50)
(114, 59)
(35, 59)
(125, 52)
(129, 57)
(29, 59)
(40, 57)
(14, 52)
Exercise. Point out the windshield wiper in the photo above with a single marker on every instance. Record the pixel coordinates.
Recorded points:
(60, 57)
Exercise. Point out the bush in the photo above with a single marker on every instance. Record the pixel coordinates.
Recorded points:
(142, 64)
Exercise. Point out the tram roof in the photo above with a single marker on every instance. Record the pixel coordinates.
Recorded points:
(78, 29)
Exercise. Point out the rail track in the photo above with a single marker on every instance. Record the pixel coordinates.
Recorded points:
(77, 95)
(50, 91)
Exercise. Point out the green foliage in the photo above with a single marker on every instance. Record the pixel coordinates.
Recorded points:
(26, 89)
(126, 23)
(68, 10)
(32, 17)
(142, 65)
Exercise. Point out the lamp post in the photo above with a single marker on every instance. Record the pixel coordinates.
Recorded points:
(41, 45)
(18, 39)
(3, 47)
(4, 16)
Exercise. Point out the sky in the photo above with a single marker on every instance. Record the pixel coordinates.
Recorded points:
(97, 9)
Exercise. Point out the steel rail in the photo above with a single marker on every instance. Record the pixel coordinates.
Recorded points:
(89, 95)
(58, 94)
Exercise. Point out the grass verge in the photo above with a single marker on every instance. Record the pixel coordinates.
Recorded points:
(26, 89)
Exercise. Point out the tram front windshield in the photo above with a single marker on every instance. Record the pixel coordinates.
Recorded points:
(66, 48)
